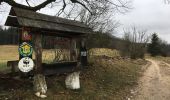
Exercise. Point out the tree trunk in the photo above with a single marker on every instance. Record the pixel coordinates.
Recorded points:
(40, 86)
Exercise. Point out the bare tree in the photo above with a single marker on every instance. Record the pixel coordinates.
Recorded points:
(98, 14)
(135, 43)
(101, 16)
(102, 21)
(88, 4)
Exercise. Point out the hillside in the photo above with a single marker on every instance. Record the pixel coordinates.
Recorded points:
(106, 77)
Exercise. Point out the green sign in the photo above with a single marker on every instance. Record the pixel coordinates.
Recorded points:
(25, 49)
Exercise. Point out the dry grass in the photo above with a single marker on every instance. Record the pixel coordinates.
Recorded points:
(104, 51)
(8, 52)
(105, 78)
(160, 58)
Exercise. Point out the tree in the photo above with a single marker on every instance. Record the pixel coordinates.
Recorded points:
(87, 4)
(8, 36)
(154, 48)
(164, 48)
(98, 14)
(135, 43)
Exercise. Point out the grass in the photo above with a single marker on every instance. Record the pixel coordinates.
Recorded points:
(104, 51)
(160, 58)
(105, 79)
(2, 66)
(115, 78)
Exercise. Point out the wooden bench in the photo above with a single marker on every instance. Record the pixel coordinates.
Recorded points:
(59, 67)
(13, 65)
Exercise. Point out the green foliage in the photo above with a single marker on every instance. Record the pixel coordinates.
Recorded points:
(158, 47)
(154, 48)
(8, 36)
(3, 66)
(165, 48)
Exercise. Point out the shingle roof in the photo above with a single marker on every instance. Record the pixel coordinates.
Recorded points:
(21, 17)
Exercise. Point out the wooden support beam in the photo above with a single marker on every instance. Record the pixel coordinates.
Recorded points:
(83, 53)
(40, 86)
(38, 53)
(73, 54)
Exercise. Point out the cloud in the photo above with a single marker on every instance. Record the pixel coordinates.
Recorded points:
(152, 15)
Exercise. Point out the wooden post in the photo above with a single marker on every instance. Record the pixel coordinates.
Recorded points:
(40, 86)
(83, 53)
(38, 53)
(73, 54)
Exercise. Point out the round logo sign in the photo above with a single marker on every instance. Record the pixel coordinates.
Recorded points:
(25, 49)
(26, 64)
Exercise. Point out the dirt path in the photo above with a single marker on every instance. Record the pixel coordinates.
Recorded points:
(155, 84)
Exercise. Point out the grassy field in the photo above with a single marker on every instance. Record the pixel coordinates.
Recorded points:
(160, 58)
(106, 78)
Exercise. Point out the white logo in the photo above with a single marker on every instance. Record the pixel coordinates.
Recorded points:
(26, 64)
(83, 53)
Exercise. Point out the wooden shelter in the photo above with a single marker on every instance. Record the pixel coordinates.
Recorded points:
(41, 24)
(45, 24)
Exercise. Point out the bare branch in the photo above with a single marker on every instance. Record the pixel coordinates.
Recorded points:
(62, 9)
(28, 3)
(38, 7)
(76, 1)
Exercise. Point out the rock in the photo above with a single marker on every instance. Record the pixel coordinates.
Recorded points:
(38, 94)
(43, 96)
(72, 81)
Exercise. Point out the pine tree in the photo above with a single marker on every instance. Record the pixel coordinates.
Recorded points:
(154, 48)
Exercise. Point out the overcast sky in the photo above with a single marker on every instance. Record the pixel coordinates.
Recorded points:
(151, 15)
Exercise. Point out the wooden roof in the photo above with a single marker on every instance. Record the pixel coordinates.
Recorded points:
(45, 23)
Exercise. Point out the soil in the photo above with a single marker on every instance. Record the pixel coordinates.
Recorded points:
(155, 83)
(9, 83)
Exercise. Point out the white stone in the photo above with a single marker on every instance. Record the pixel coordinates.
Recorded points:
(72, 81)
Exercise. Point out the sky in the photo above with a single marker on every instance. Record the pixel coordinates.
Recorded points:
(150, 15)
